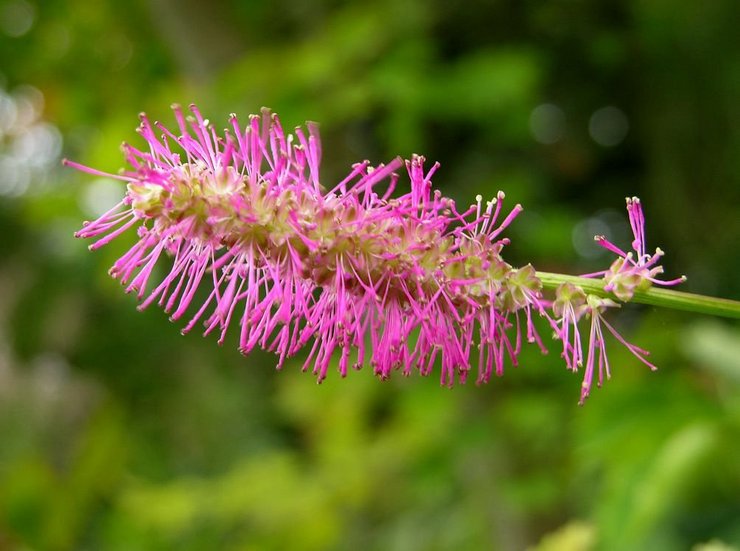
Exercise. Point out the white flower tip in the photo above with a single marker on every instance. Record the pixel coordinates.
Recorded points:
(500, 195)
(478, 198)
(683, 278)
(599, 238)
(175, 106)
(659, 251)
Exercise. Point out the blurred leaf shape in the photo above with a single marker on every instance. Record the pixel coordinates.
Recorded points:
(574, 536)
(714, 345)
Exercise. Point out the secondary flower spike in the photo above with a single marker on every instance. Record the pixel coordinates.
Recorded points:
(405, 282)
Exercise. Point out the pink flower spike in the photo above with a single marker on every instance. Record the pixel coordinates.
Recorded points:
(366, 272)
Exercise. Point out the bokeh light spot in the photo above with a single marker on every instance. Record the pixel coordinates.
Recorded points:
(547, 123)
(583, 237)
(29, 146)
(100, 196)
(16, 18)
(608, 126)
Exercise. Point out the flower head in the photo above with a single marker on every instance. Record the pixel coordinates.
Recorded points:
(630, 273)
(397, 282)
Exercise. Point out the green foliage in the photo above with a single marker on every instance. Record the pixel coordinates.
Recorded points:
(118, 433)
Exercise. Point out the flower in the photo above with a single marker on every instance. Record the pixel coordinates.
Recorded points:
(397, 282)
(570, 305)
(628, 274)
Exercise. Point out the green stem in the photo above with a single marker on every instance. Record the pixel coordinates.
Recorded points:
(667, 298)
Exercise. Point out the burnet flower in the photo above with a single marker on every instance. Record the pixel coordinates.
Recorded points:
(626, 275)
(629, 272)
(569, 307)
(403, 282)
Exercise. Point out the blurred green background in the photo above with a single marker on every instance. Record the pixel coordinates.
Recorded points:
(118, 433)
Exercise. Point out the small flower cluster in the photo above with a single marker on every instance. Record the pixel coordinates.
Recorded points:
(627, 273)
(625, 276)
(402, 283)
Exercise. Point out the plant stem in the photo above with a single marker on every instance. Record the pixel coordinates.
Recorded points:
(666, 298)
